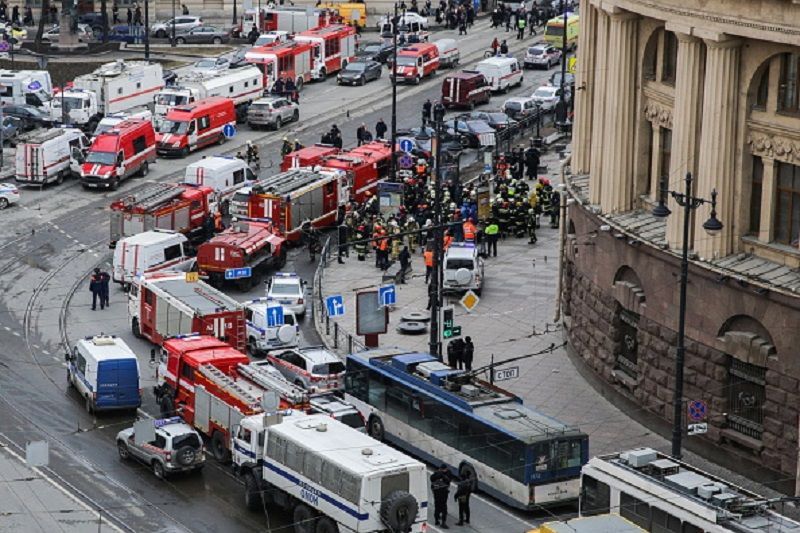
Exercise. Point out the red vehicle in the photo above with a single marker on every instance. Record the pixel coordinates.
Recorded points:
(165, 304)
(169, 206)
(467, 88)
(125, 150)
(288, 19)
(308, 156)
(362, 167)
(212, 386)
(334, 47)
(190, 127)
(289, 60)
(415, 63)
(254, 244)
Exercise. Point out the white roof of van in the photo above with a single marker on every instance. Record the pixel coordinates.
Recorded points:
(107, 347)
(147, 238)
(344, 445)
(497, 61)
(217, 163)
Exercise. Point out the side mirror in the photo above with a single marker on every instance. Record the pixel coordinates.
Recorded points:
(152, 356)
(67, 357)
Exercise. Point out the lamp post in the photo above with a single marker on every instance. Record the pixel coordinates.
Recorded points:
(393, 168)
(147, 30)
(562, 98)
(172, 43)
(712, 226)
(435, 288)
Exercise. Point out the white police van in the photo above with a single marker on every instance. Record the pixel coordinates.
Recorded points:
(261, 337)
(463, 268)
(105, 372)
(287, 289)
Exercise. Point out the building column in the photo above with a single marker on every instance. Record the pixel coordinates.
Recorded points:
(718, 146)
(686, 127)
(769, 191)
(584, 90)
(598, 106)
(620, 113)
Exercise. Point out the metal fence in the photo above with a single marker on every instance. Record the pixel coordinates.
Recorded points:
(536, 123)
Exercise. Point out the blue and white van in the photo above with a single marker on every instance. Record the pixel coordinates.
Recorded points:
(105, 372)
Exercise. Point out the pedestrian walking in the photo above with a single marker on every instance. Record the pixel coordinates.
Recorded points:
(495, 46)
(426, 112)
(105, 288)
(15, 15)
(137, 16)
(455, 352)
(504, 48)
(405, 263)
(343, 250)
(467, 354)
(380, 129)
(28, 21)
(492, 231)
(521, 28)
(462, 26)
(184, 9)
(362, 134)
(428, 256)
(440, 486)
(463, 492)
(95, 287)
(129, 16)
(115, 13)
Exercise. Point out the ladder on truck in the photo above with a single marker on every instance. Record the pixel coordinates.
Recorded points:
(266, 379)
(153, 196)
(229, 385)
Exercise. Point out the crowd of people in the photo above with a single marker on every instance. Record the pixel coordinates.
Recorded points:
(25, 20)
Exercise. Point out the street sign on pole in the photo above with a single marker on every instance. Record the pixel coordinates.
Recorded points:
(503, 374)
(335, 305)
(449, 328)
(238, 273)
(406, 145)
(697, 429)
(405, 161)
(229, 130)
(275, 316)
(387, 295)
(697, 410)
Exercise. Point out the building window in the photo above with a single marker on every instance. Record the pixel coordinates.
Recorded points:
(787, 211)
(762, 91)
(746, 391)
(755, 195)
(664, 158)
(670, 58)
(627, 355)
(789, 88)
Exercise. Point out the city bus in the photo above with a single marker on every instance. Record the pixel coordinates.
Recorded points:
(412, 400)
(659, 493)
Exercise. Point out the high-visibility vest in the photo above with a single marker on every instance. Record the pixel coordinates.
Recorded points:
(492, 229)
(428, 255)
(383, 244)
(469, 231)
(448, 240)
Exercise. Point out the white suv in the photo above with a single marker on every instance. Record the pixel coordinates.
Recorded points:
(463, 268)
(261, 337)
(316, 369)
(176, 448)
(289, 291)
(182, 23)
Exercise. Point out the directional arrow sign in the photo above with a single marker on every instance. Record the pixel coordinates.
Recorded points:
(229, 130)
(387, 295)
(274, 316)
(335, 305)
(406, 145)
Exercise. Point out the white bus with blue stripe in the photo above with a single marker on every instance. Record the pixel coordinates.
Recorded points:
(519, 456)
(330, 477)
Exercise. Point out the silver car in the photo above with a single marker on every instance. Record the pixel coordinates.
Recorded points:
(176, 448)
(315, 369)
(182, 23)
(272, 112)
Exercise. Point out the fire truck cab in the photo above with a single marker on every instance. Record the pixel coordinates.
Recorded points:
(284, 60)
(308, 156)
(415, 63)
(361, 168)
(333, 48)
(125, 150)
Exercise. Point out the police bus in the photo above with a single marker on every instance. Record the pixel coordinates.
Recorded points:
(517, 455)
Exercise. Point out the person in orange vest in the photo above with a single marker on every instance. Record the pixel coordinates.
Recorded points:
(428, 255)
(383, 251)
(421, 169)
(448, 240)
(376, 233)
(218, 227)
(469, 230)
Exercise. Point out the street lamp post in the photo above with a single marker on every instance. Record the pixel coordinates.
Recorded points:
(173, 44)
(393, 168)
(712, 226)
(147, 30)
(435, 288)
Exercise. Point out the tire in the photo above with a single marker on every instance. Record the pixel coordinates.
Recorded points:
(375, 428)
(3, 203)
(252, 348)
(122, 450)
(166, 406)
(303, 519)
(145, 170)
(326, 525)
(216, 40)
(180, 40)
(399, 510)
(252, 494)
(60, 178)
(135, 329)
(323, 74)
(184, 151)
(300, 384)
(114, 184)
(218, 448)
(282, 259)
(278, 123)
(185, 456)
(467, 469)
(417, 80)
(161, 33)
(70, 384)
(362, 81)
(158, 470)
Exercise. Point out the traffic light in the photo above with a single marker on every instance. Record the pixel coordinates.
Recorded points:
(449, 329)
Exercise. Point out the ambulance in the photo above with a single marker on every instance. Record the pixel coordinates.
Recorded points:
(415, 63)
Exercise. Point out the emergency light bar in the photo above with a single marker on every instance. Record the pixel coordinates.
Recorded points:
(285, 275)
(187, 336)
(161, 422)
(462, 245)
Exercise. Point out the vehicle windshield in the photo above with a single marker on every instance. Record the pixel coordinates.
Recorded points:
(535, 51)
(288, 319)
(265, 39)
(355, 67)
(102, 128)
(543, 93)
(555, 31)
(406, 61)
(69, 103)
(259, 107)
(499, 118)
(171, 99)
(173, 126)
(284, 288)
(101, 158)
(455, 264)
(189, 439)
(336, 367)
(352, 420)
(372, 48)
(206, 63)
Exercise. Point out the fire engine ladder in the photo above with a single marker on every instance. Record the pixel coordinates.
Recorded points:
(227, 384)
(154, 196)
(263, 378)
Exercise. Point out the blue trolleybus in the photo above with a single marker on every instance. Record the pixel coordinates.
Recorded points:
(519, 456)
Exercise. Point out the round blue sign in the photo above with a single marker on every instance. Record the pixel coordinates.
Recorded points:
(229, 130)
(697, 410)
(405, 161)
(406, 145)
(34, 86)
(4, 46)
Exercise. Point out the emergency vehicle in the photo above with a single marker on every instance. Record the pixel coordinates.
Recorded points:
(123, 151)
(334, 47)
(465, 89)
(291, 198)
(31, 87)
(362, 168)
(224, 174)
(308, 156)
(415, 63)
(191, 127)
(163, 206)
(242, 85)
(265, 334)
(242, 252)
(285, 60)
(212, 386)
(501, 72)
(352, 13)
(165, 304)
(289, 19)
(449, 54)
(148, 252)
(48, 156)
(347, 481)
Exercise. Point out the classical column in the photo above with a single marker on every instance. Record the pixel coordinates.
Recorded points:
(718, 146)
(686, 126)
(619, 117)
(769, 191)
(598, 106)
(584, 89)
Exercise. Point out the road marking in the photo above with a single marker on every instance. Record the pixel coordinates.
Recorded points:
(47, 353)
(56, 358)
(15, 333)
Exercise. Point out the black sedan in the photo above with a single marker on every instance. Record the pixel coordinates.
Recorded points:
(471, 133)
(375, 51)
(359, 73)
(30, 117)
(496, 119)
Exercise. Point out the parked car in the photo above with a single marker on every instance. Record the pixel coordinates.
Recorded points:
(182, 23)
(471, 133)
(496, 119)
(569, 80)
(85, 33)
(375, 51)
(519, 107)
(237, 58)
(406, 19)
(274, 36)
(9, 194)
(288, 290)
(541, 55)
(314, 368)
(548, 96)
(94, 21)
(422, 139)
(176, 447)
(30, 117)
(211, 65)
(359, 73)
(203, 35)
(10, 127)
(272, 112)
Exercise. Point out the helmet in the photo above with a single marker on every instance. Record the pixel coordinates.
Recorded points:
(420, 161)
(286, 138)
(411, 219)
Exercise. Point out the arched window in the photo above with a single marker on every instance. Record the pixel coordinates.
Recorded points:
(669, 58)
(789, 85)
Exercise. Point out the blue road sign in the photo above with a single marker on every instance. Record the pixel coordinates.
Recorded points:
(335, 305)
(406, 145)
(238, 273)
(4, 46)
(229, 130)
(697, 410)
(487, 168)
(387, 295)
(405, 161)
(274, 316)
(34, 86)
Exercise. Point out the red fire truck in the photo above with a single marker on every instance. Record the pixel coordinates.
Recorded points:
(308, 156)
(165, 304)
(291, 198)
(170, 206)
(243, 251)
(334, 47)
(287, 19)
(289, 60)
(212, 386)
(362, 167)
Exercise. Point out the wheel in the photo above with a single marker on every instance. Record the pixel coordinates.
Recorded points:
(326, 525)
(362, 80)
(278, 123)
(300, 384)
(3, 203)
(417, 80)
(216, 40)
(114, 183)
(303, 518)
(296, 115)
(180, 40)
(123, 452)
(252, 347)
(252, 495)
(161, 33)
(60, 178)
(145, 170)
(166, 406)
(88, 405)
(137, 332)
(184, 151)
(218, 448)
(70, 384)
(282, 260)
(471, 105)
(375, 428)
(323, 73)
(158, 470)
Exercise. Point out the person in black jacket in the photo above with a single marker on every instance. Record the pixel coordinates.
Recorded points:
(440, 486)
(380, 129)
(455, 351)
(405, 263)
(96, 288)
(463, 492)
(467, 354)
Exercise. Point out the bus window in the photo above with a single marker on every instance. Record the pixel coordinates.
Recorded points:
(566, 454)
(596, 497)
(472, 440)
(397, 403)
(356, 381)
(445, 424)
(377, 391)
(634, 510)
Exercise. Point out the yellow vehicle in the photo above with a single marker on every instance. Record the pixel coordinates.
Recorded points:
(606, 523)
(354, 13)
(554, 31)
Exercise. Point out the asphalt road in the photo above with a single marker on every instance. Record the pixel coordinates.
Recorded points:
(49, 245)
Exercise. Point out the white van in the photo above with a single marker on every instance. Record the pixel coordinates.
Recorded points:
(463, 268)
(109, 121)
(449, 54)
(225, 175)
(105, 372)
(261, 337)
(501, 72)
(49, 156)
(148, 252)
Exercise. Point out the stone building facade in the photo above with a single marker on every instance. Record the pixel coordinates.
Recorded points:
(710, 88)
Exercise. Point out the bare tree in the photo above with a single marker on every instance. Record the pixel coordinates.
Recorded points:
(104, 11)
(43, 17)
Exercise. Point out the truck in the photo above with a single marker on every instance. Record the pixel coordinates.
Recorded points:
(224, 174)
(327, 475)
(217, 388)
(308, 156)
(334, 47)
(32, 87)
(112, 88)
(361, 168)
(148, 252)
(49, 156)
(128, 149)
(285, 18)
(181, 208)
(242, 85)
(285, 60)
(165, 304)
(242, 252)
(292, 198)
